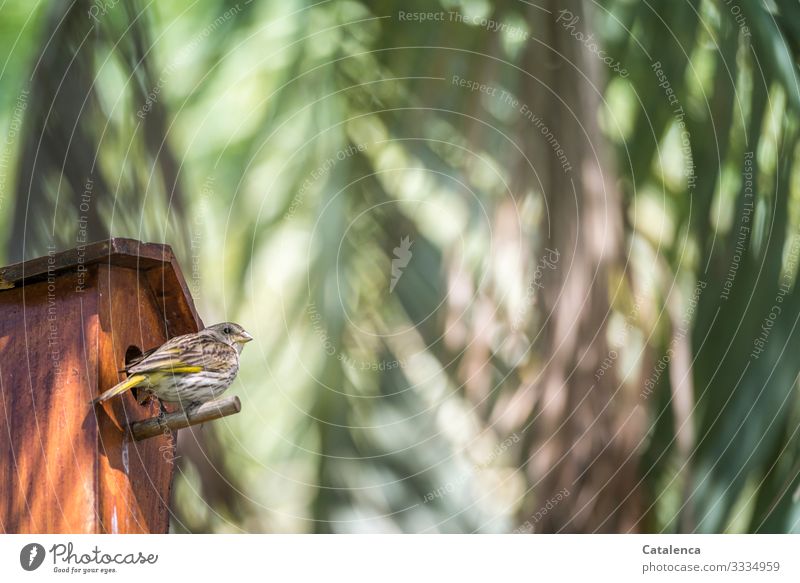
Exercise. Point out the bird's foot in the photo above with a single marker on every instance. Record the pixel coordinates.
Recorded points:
(162, 410)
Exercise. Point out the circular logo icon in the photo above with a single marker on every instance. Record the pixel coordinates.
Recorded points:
(31, 556)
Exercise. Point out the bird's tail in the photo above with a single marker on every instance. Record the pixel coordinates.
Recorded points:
(120, 388)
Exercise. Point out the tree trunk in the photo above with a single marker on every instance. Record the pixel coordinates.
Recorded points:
(586, 425)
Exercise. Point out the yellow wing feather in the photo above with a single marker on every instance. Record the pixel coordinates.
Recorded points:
(171, 367)
(120, 388)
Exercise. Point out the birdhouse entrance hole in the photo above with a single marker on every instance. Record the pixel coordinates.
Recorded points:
(132, 353)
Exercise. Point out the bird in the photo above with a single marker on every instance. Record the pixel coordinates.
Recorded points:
(186, 370)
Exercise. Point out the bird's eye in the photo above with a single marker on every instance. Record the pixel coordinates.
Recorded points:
(227, 330)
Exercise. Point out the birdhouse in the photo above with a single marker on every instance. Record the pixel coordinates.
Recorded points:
(68, 323)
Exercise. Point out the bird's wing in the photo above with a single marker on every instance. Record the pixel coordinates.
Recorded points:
(177, 355)
(183, 354)
(134, 361)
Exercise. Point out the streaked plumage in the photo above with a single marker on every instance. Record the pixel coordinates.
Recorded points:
(188, 369)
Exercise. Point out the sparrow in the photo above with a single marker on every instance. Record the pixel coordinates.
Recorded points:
(186, 370)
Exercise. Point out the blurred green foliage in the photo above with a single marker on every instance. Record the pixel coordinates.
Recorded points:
(286, 149)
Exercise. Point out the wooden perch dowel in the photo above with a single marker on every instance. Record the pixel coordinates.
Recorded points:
(178, 420)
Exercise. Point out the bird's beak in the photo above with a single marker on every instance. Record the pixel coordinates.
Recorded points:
(244, 338)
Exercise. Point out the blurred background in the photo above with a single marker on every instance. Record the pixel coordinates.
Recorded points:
(511, 266)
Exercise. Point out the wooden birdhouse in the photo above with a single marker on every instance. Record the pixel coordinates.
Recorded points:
(68, 322)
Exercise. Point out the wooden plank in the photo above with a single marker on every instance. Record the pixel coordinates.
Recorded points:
(170, 293)
(47, 434)
(135, 477)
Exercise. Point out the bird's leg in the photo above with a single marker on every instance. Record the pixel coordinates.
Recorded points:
(143, 397)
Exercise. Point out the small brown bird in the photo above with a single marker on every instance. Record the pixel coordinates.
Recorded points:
(189, 369)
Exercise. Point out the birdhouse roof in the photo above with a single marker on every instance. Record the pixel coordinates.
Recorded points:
(156, 261)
